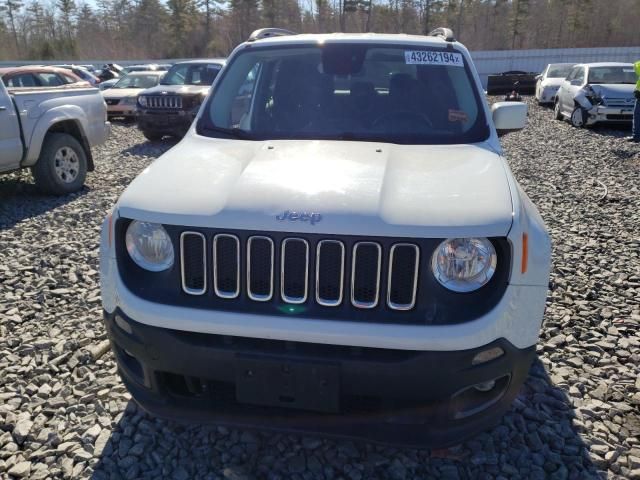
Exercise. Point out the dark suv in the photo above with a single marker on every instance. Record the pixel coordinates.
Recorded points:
(170, 107)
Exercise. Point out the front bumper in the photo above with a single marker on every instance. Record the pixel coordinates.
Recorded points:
(420, 398)
(547, 95)
(165, 121)
(604, 114)
(122, 110)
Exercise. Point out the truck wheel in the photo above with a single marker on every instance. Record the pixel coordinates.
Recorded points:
(577, 117)
(152, 136)
(557, 113)
(62, 165)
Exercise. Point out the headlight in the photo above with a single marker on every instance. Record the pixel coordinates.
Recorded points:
(464, 264)
(149, 246)
(142, 100)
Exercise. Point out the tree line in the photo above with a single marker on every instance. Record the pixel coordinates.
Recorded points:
(130, 29)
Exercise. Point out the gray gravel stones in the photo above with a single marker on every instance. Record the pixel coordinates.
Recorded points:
(65, 414)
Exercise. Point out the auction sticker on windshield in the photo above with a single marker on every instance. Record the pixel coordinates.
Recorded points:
(424, 57)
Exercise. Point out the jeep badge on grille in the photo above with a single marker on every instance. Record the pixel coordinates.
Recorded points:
(299, 217)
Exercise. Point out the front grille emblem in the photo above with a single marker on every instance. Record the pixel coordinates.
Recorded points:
(291, 216)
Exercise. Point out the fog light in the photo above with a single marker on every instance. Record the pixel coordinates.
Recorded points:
(486, 386)
(487, 355)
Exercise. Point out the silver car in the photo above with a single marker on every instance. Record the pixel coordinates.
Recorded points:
(597, 92)
(549, 81)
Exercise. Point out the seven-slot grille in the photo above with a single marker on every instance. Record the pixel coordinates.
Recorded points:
(284, 269)
(164, 101)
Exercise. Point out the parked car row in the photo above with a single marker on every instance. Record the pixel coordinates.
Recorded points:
(589, 93)
(40, 76)
(163, 103)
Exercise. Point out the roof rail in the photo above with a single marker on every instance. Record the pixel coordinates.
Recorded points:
(268, 33)
(445, 33)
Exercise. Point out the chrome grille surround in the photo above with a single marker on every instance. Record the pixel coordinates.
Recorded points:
(164, 101)
(416, 269)
(327, 277)
(286, 298)
(219, 292)
(354, 301)
(185, 288)
(319, 299)
(250, 294)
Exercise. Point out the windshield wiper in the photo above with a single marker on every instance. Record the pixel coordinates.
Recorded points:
(231, 132)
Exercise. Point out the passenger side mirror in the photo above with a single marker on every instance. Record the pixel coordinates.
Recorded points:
(509, 116)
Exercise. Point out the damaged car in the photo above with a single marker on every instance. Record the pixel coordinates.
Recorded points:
(597, 93)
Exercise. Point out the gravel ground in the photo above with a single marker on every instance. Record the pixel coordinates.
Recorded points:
(65, 414)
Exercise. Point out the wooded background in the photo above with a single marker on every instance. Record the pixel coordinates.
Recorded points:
(128, 29)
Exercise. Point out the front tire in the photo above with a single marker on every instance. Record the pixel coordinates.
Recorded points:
(62, 165)
(152, 136)
(577, 117)
(557, 111)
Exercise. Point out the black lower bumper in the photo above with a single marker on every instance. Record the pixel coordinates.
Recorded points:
(413, 398)
(170, 122)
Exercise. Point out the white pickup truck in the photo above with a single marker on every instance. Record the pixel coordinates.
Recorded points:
(52, 133)
(336, 246)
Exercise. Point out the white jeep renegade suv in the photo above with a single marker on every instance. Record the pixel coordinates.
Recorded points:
(337, 246)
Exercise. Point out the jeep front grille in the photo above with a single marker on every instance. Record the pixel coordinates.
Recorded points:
(164, 101)
(326, 272)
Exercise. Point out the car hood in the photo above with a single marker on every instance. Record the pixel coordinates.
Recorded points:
(121, 92)
(614, 90)
(552, 82)
(358, 188)
(178, 89)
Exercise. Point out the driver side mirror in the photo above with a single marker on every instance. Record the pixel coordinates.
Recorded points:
(509, 116)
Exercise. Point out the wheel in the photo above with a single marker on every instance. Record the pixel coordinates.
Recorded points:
(557, 112)
(62, 165)
(152, 136)
(577, 117)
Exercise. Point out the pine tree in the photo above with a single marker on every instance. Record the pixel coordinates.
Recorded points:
(11, 8)
(67, 11)
(182, 14)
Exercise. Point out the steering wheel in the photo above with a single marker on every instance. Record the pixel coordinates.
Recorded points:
(402, 115)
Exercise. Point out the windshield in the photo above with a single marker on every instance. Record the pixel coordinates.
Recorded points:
(559, 71)
(138, 81)
(398, 94)
(612, 75)
(192, 74)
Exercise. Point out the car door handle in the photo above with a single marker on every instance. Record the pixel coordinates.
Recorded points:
(2, 109)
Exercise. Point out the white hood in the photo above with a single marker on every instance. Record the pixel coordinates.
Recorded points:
(358, 188)
(552, 82)
(121, 92)
(614, 90)
(179, 89)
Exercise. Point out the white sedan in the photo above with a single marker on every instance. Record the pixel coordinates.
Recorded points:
(550, 80)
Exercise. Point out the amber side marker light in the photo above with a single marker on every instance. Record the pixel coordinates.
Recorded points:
(525, 253)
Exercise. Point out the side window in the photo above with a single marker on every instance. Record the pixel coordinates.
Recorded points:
(241, 105)
(21, 80)
(68, 78)
(579, 75)
(48, 79)
(572, 75)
